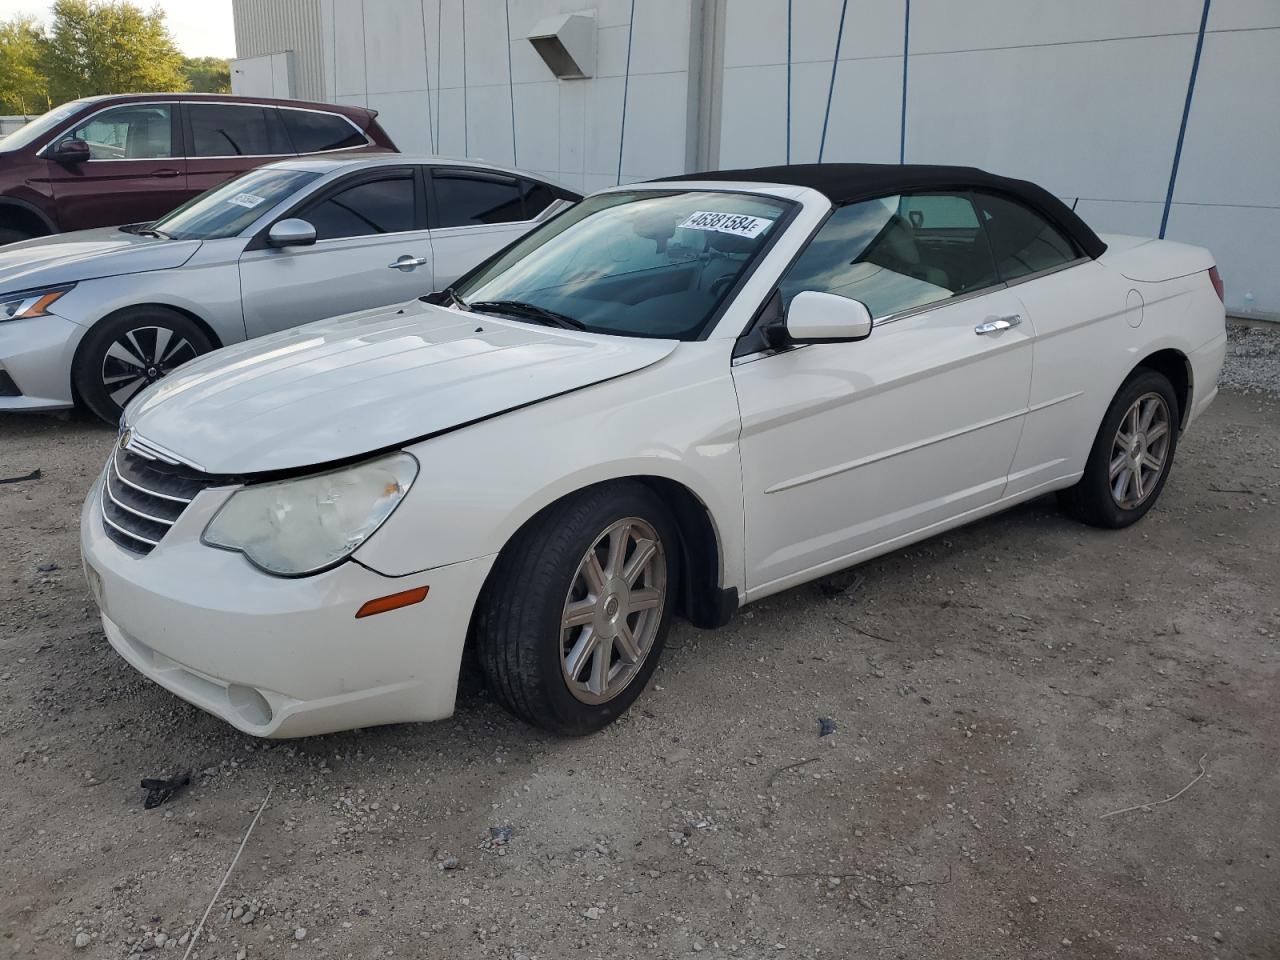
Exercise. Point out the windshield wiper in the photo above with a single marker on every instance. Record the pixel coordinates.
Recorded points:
(452, 296)
(530, 311)
(152, 232)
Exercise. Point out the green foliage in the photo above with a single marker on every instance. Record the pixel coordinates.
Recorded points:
(208, 74)
(109, 46)
(23, 86)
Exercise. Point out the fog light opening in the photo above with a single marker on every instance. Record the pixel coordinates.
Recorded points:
(250, 704)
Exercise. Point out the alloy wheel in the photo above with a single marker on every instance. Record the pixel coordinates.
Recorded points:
(613, 610)
(139, 357)
(1140, 450)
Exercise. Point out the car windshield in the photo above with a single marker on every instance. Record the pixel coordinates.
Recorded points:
(40, 126)
(638, 263)
(226, 210)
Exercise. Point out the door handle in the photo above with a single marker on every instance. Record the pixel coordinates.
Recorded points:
(996, 324)
(406, 263)
(166, 173)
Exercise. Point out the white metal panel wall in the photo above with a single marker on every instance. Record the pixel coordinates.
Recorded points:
(458, 78)
(1086, 98)
(865, 98)
(1227, 195)
(268, 75)
(276, 26)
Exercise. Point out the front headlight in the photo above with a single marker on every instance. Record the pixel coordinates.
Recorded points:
(297, 527)
(30, 303)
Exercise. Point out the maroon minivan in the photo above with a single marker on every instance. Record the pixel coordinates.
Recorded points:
(104, 161)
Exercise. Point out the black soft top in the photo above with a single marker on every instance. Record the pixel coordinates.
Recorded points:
(845, 183)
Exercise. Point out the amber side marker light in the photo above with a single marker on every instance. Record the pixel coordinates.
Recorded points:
(406, 598)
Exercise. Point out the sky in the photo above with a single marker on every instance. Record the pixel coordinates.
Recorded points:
(202, 28)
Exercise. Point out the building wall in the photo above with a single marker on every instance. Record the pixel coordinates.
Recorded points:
(1085, 97)
(278, 26)
(268, 75)
(457, 78)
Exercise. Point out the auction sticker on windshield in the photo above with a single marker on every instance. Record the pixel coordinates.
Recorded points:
(739, 224)
(246, 200)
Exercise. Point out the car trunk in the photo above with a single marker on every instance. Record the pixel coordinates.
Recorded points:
(1151, 261)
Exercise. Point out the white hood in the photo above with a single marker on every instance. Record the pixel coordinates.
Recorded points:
(369, 381)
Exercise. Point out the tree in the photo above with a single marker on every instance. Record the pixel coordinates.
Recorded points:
(23, 86)
(208, 74)
(110, 46)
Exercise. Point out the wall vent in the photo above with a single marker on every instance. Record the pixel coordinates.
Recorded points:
(567, 43)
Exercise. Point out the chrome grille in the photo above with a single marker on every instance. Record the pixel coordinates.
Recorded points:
(142, 498)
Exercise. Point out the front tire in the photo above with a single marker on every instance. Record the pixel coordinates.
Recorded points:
(575, 613)
(130, 350)
(1132, 454)
(8, 235)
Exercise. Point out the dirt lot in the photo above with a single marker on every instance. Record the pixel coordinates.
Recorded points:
(994, 693)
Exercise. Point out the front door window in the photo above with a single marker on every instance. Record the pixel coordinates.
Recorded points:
(132, 132)
(896, 253)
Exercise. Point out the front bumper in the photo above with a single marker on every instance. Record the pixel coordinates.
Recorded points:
(37, 356)
(279, 657)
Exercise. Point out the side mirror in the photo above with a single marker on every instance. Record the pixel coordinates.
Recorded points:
(291, 233)
(815, 317)
(70, 150)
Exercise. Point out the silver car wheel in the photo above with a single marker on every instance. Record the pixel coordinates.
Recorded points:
(1140, 450)
(142, 356)
(613, 610)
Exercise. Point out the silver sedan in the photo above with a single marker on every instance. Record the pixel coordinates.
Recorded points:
(95, 316)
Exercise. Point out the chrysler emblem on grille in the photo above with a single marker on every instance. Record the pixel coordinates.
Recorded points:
(126, 436)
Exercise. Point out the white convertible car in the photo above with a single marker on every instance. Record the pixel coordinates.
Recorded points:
(675, 398)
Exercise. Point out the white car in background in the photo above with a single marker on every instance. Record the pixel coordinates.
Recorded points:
(677, 397)
(97, 315)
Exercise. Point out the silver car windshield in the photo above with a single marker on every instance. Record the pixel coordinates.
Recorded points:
(38, 127)
(641, 264)
(226, 210)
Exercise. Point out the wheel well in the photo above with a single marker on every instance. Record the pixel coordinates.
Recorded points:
(198, 321)
(1177, 369)
(15, 217)
(703, 602)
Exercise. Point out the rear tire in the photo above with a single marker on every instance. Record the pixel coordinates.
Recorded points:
(12, 236)
(130, 350)
(1131, 457)
(567, 645)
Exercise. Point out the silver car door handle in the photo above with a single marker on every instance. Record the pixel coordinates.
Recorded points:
(996, 324)
(407, 263)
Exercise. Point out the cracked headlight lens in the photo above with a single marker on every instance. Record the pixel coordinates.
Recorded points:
(293, 528)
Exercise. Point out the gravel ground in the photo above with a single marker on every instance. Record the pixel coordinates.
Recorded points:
(1253, 364)
(994, 692)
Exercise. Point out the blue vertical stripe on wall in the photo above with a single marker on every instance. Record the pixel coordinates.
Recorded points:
(511, 87)
(788, 82)
(835, 62)
(1186, 112)
(439, 24)
(906, 50)
(431, 127)
(626, 82)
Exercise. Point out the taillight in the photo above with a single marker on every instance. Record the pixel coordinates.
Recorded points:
(1216, 279)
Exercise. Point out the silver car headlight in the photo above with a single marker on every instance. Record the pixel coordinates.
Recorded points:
(31, 303)
(293, 528)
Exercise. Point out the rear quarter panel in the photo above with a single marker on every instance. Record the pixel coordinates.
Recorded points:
(1093, 327)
